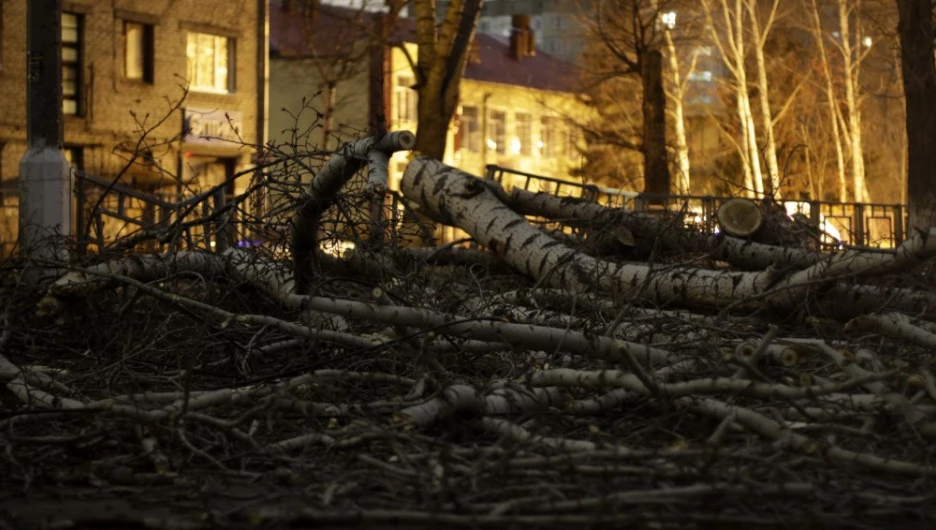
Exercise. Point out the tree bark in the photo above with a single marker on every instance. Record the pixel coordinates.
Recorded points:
(919, 81)
(819, 36)
(656, 170)
(760, 38)
(443, 55)
(852, 64)
(331, 100)
(683, 179)
(731, 45)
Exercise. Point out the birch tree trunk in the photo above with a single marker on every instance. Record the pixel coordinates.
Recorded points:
(731, 46)
(453, 197)
(852, 64)
(683, 179)
(819, 37)
(760, 39)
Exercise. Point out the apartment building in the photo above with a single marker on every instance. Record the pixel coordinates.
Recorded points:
(181, 82)
(517, 106)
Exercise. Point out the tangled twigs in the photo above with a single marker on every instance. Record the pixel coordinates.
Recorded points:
(347, 161)
(519, 382)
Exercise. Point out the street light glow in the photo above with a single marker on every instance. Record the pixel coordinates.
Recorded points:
(669, 19)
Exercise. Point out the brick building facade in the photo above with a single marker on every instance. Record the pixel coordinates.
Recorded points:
(125, 66)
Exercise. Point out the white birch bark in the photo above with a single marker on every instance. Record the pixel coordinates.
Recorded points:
(852, 55)
(742, 253)
(676, 95)
(452, 196)
(819, 36)
(760, 39)
(731, 46)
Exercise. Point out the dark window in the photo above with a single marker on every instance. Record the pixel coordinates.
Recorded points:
(72, 36)
(75, 157)
(138, 51)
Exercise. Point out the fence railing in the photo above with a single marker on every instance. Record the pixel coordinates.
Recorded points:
(850, 223)
(107, 210)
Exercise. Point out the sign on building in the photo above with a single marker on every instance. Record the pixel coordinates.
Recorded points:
(202, 126)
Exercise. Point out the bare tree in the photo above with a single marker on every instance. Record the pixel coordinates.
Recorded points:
(919, 80)
(728, 31)
(439, 66)
(627, 42)
(853, 49)
(677, 88)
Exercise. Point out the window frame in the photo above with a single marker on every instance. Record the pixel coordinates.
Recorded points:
(75, 65)
(74, 155)
(471, 136)
(526, 144)
(572, 138)
(231, 45)
(147, 52)
(552, 136)
(498, 136)
(403, 92)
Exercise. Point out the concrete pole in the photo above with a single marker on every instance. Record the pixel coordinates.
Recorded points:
(45, 190)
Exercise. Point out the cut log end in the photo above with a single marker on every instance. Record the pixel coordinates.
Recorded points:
(739, 217)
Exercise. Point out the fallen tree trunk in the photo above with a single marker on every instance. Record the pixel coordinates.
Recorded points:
(459, 199)
(741, 253)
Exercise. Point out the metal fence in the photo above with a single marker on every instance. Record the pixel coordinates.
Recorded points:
(107, 212)
(850, 223)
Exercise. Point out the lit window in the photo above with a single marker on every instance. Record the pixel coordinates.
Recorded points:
(405, 104)
(138, 51)
(71, 63)
(497, 132)
(572, 140)
(470, 130)
(524, 130)
(704, 75)
(209, 60)
(552, 139)
(705, 51)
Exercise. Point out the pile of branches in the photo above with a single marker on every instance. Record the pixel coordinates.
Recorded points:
(572, 365)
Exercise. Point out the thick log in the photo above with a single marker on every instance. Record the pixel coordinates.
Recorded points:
(736, 251)
(454, 197)
(739, 217)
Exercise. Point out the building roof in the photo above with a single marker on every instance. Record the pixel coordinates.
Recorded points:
(541, 71)
(333, 30)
